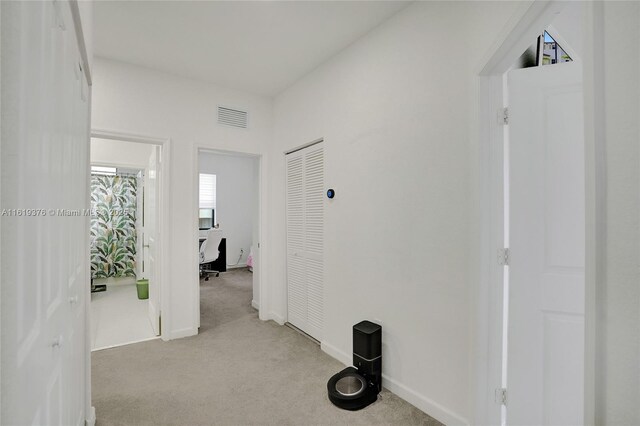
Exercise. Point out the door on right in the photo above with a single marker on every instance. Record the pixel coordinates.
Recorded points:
(545, 360)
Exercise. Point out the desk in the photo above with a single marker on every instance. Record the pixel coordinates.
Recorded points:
(220, 264)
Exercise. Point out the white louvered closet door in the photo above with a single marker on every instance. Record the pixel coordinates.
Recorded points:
(305, 242)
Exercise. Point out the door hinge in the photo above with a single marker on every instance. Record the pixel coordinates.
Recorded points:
(501, 396)
(503, 116)
(503, 256)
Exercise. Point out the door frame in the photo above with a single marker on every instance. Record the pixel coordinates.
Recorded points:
(262, 246)
(529, 20)
(164, 215)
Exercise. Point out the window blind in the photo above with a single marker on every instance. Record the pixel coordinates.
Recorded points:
(207, 191)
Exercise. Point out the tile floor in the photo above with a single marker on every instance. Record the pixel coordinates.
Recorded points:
(118, 317)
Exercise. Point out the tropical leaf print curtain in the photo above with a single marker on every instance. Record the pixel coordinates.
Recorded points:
(113, 226)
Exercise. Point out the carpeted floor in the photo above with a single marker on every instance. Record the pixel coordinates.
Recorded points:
(237, 371)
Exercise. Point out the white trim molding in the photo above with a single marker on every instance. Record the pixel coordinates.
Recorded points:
(128, 137)
(429, 406)
(91, 417)
(595, 192)
(423, 403)
(125, 344)
(336, 353)
(276, 317)
(182, 332)
(77, 23)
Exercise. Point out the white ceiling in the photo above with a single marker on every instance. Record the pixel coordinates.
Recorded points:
(259, 46)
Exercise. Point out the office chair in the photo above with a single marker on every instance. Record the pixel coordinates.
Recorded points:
(209, 252)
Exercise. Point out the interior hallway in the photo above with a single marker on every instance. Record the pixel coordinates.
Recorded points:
(238, 370)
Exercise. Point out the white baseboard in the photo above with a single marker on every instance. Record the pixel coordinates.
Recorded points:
(421, 402)
(236, 266)
(432, 408)
(183, 332)
(91, 417)
(336, 353)
(263, 315)
(255, 305)
(125, 343)
(277, 318)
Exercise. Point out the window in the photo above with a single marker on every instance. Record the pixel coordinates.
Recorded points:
(207, 201)
(552, 53)
(545, 51)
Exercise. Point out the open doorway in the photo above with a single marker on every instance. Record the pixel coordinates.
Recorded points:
(126, 179)
(228, 218)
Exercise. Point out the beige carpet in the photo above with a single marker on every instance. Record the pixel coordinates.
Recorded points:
(237, 371)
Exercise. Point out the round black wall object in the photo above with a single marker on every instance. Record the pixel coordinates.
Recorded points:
(331, 193)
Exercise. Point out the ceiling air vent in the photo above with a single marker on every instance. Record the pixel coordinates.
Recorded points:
(232, 117)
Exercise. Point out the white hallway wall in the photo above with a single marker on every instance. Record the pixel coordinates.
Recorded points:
(395, 111)
(142, 101)
(236, 200)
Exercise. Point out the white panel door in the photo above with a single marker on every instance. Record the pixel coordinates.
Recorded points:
(45, 200)
(151, 230)
(547, 246)
(305, 242)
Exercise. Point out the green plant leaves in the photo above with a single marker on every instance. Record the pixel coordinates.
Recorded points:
(113, 226)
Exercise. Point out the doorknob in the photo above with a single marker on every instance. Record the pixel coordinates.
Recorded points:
(145, 245)
(73, 299)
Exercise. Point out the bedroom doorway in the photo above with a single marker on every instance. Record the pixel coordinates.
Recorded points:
(125, 241)
(228, 210)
